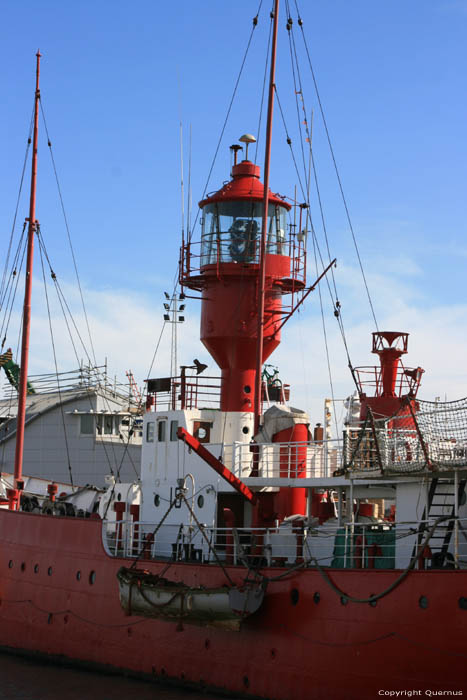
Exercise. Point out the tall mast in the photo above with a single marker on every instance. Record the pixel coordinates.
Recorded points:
(23, 386)
(264, 233)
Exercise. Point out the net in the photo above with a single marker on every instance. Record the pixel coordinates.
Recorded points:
(433, 437)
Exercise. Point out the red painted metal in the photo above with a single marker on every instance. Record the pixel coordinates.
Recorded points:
(222, 470)
(262, 280)
(245, 185)
(23, 385)
(392, 384)
(292, 464)
(284, 651)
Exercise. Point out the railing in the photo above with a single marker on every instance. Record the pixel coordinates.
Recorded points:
(359, 545)
(181, 392)
(285, 460)
(407, 380)
(400, 450)
(215, 250)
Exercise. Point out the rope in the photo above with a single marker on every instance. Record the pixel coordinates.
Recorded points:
(211, 548)
(55, 361)
(331, 149)
(255, 22)
(263, 91)
(65, 309)
(17, 206)
(49, 143)
(394, 584)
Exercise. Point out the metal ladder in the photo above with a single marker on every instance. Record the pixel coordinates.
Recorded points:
(441, 502)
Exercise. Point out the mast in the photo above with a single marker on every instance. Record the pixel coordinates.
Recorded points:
(15, 493)
(264, 232)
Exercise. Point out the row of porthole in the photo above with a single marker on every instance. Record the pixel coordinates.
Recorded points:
(422, 601)
(92, 574)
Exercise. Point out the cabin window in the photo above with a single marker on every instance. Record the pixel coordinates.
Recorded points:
(173, 430)
(161, 430)
(87, 424)
(150, 432)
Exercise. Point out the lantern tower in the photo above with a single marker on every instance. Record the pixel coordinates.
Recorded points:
(225, 267)
(392, 383)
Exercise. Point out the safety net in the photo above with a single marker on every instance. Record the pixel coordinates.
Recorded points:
(422, 436)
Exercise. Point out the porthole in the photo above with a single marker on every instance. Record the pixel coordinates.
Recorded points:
(463, 603)
(92, 577)
(36, 568)
(157, 500)
(10, 564)
(200, 501)
(316, 598)
(423, 602)
(201, 433)
(294, 596)
(245, 430)
(23, 566)
(247, 389)
(49, 571)
(78, 575)
(119, 497)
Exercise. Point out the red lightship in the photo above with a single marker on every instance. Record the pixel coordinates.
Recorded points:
(253, 556)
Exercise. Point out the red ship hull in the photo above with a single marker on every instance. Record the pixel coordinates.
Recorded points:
(299, 645)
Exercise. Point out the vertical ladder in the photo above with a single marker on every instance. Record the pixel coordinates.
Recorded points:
(441, 502)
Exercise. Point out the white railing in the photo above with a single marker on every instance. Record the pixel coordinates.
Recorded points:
(287, 460)
(370, 544)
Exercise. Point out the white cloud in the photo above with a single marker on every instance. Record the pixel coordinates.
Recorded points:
(126, 327)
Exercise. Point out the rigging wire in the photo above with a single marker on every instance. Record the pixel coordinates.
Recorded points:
(263, 91)
(237, 82)
(2, 287)
(336, 169)
(49, 143)
(52, 340)
(68, 315)
(13, 284)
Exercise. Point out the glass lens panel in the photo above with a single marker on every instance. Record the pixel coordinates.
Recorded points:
(231, 232)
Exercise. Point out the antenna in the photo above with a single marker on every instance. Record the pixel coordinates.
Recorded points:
(247, 138)
(182, 190)
(188, 216)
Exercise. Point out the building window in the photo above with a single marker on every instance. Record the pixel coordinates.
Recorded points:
(108, 424)
(173, 430)
(87, 424)
(150, 432)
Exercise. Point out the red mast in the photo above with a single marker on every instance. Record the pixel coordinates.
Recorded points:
(14, 494)
(264, 232)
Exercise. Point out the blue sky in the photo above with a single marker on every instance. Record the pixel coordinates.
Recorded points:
(116, 80)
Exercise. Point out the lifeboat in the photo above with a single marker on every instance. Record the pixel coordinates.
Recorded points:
(149, 595)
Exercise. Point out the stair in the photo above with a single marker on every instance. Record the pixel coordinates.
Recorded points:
(441, 503)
